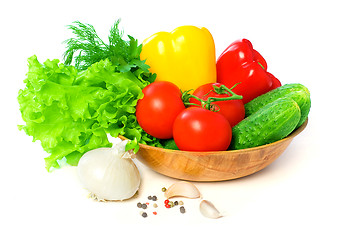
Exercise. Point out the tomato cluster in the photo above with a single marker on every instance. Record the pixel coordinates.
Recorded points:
(204, 126)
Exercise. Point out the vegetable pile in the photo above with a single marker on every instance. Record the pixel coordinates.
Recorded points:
(167, 92)
(246, 107)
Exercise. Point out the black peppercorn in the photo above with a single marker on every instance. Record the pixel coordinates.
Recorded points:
(182, 209)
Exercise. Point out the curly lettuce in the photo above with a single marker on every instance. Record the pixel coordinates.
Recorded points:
(71, 111)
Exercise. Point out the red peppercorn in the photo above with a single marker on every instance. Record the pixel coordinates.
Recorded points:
(155, 213)
(167, 206)
(166, 201)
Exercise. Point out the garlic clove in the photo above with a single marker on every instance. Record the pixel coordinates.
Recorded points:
(208, 210)
(182, 189)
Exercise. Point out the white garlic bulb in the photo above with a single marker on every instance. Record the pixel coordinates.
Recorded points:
(109, 173)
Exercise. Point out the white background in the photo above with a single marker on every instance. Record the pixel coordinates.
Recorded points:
(310, 192)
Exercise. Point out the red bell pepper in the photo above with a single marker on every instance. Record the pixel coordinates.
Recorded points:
(240, 63)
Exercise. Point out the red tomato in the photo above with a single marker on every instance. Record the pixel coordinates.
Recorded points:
(199, 129)
(232, 110)
(157, 110)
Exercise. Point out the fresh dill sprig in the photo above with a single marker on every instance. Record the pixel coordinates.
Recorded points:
(87, 43)
(90, 48)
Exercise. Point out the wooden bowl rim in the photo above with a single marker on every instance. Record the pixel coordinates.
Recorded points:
(292, 135)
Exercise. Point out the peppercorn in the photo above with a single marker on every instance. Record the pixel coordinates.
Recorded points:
(144, 214)
(155, 205)
(163, 189)
(149, 197)
(171, 203)
(139, 205)
(181, 203)
(182, 209)
(154, 198)
(176, 203)
(143, 206)
(167, 206)
(166, 201)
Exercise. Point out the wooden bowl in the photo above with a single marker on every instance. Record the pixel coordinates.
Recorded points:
(213, 166)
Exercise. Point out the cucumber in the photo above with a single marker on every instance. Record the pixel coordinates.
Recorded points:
(296, 91)
(271, 123)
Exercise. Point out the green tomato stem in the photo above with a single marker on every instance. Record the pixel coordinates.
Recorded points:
(209, 103)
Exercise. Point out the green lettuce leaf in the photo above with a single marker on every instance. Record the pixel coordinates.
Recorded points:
(71, 111)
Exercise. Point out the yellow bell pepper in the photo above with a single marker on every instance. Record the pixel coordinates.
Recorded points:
(185, 56)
